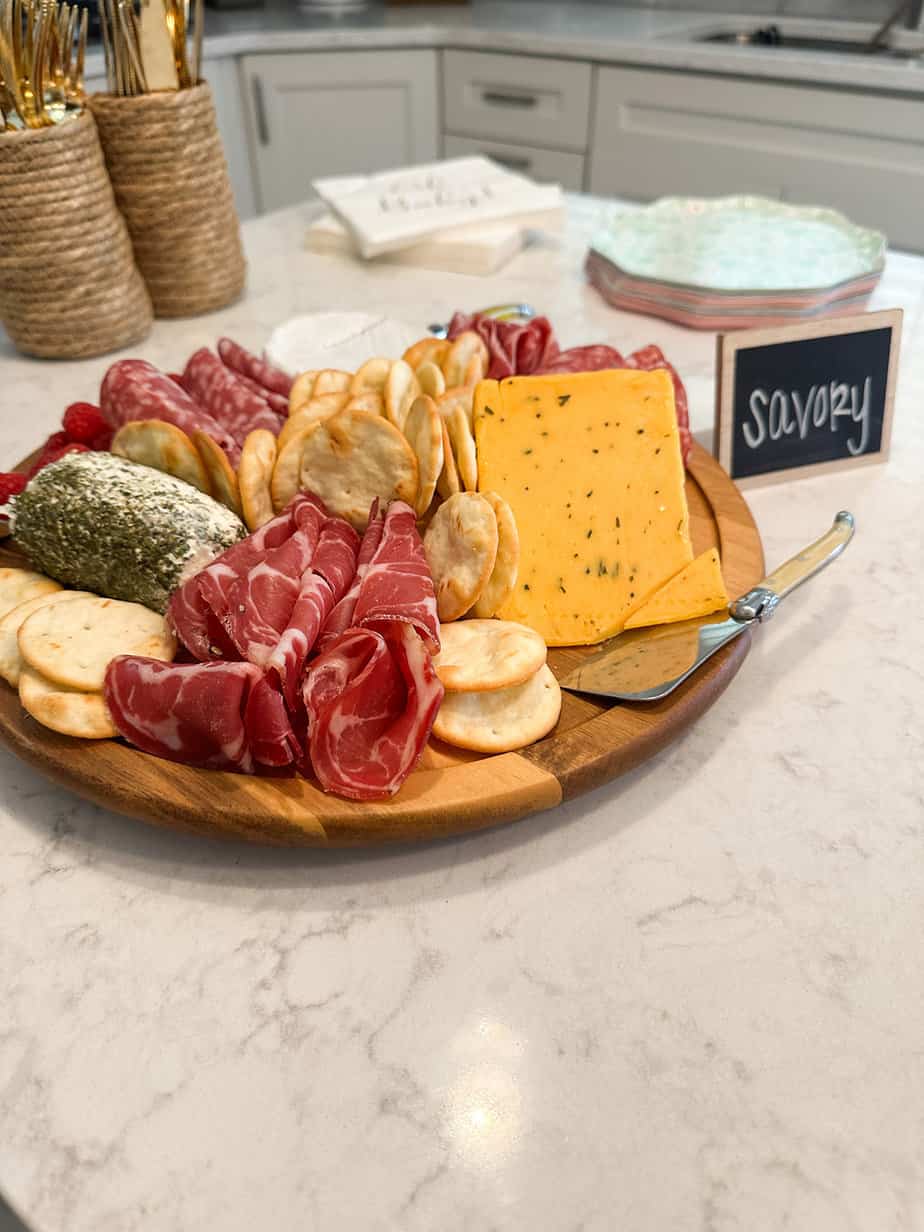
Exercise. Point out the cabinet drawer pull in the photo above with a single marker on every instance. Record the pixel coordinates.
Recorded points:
(259, 107)
(503, 98)
(510, 160)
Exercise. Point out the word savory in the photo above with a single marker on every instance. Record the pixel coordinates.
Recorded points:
(782, 413)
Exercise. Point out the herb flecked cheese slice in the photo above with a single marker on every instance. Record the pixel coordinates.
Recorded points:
(590, 464)
(697, 590)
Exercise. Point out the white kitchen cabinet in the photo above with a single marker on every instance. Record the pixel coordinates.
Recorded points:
(545, 166)
(658, 133)
(517, 98)
(334, 113)
(222, 76)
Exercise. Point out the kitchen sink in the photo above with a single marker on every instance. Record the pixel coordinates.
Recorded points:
(773, 36)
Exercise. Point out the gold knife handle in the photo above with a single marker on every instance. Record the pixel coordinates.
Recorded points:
(761, 602)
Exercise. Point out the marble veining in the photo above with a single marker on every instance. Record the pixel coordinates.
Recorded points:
(691, 1001)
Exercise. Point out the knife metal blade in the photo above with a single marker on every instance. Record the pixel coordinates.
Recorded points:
(644, 665)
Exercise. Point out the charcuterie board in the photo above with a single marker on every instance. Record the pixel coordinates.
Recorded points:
(452, 792)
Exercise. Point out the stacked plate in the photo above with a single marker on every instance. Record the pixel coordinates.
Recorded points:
(735, 262)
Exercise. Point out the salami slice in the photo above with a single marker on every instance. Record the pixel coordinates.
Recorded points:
(186, 712)
(228, 400)
(371, 701)
(397, 586)
(586, 359)
(276, 402)
(134, 389)
(259, 370)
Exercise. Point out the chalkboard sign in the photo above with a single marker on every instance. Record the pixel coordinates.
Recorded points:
(806, 398)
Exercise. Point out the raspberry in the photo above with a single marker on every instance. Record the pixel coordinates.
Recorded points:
(83, 422)
(11, 484)
(103, 440)
(54, 448)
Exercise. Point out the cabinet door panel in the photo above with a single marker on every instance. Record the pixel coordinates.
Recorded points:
(312, 114)
(663, 133)
(547, 166)
(517, 98)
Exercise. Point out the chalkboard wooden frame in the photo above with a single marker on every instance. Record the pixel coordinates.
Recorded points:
(727, 348)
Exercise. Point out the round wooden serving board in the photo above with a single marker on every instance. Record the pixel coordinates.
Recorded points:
(451, 792)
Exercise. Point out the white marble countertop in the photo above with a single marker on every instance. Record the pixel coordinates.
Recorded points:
(582, 29)
(692, 1001)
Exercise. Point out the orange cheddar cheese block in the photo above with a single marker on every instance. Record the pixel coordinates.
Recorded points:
(697, 590)
(590, 464)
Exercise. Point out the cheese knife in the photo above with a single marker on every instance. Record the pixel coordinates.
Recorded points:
(644, 665)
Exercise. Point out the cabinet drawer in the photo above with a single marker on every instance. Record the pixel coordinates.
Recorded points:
(517, 98)
(557, 166)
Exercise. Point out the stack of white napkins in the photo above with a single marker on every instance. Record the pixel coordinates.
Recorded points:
(464, 215)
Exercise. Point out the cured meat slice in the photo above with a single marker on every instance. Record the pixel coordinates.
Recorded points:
(515, 349)
(259, 370)
(371, 701)
(332, 568)
(295, 643)
(341, 617)
(270, 735)
(585, 359)
(196, 607)
(276, 402)
(397, 586)
(257, 607)
(134, 389)
(186, 712)
(228, 400)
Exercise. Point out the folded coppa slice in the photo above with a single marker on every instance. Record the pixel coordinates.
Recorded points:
(590, 464)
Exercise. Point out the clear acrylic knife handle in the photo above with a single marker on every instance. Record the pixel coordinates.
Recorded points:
(761, 602)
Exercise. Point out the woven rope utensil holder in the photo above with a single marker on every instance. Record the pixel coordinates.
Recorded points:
(170, 179)
(69, 285)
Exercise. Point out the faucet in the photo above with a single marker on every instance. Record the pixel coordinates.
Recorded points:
(909, 9)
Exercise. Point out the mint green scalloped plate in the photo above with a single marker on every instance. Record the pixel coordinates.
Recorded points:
(743, 245)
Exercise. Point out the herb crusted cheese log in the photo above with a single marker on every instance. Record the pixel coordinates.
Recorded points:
(590, 464)
(101, 523)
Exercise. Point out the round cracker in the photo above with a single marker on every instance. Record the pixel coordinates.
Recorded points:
(18, 585)
(368, 400)
(503, 577)
(331, 381)
(371, 375)
(354, 457)
(222, 479)
(424, 432)
(254, 474)
(448, 483)
(430, 379)
(428, 349)
(459, 395)
(302, 389)
(401, 388)
(463, 446)
(286, 480)
(69, 711)
(73, 643)
(458, 359)
(461, 546)
(499, 720)
(319, 407)
(11, 663)
(477, 655)
(164, 447)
